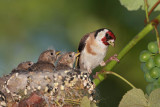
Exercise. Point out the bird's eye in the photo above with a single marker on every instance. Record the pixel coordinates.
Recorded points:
(29, 64)
(70, 55)
(108, 36)
(51, 53)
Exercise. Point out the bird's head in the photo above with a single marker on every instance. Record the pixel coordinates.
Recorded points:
(24, 65)
(105, 36)
(68, 58)
(49, 56)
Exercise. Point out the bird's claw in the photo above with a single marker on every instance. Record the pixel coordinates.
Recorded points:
(102, 63)
(96, 75)
(89, 71)
(114, 57)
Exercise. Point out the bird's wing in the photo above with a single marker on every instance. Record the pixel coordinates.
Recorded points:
(82, 42)
(80, 48)
(40, 66)
(62, 67)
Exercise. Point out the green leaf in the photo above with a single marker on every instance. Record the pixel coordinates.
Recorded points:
(134, 98)
(146, 96)
(138, 4)
(132, 4)
(93, 105)
(85, 102)
(154, 98)
(151, 3)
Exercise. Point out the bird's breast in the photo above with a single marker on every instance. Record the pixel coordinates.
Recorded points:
(89, 60)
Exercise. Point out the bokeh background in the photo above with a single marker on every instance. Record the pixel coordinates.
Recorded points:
(28, 27)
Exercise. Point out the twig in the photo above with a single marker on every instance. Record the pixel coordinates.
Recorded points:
(154, 6)
(119, 76)
(72, 101)
(57, 103)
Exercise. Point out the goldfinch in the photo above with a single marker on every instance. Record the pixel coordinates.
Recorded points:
(93, 48)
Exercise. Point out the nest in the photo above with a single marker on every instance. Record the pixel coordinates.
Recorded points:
(63, 88)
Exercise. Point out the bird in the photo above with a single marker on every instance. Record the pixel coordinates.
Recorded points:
(46, 61)
(23, 66)
(93, 48)
(66, 61)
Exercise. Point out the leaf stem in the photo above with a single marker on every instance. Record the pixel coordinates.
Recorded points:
(132, 43)
(119, 76)
(153, 7)
(157, 35)
(146, 10)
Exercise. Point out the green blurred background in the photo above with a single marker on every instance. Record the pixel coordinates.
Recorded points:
(28, 27)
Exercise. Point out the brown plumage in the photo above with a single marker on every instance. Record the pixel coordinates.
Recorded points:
(46, 61)
(49, 56)
(23, 66)
(42, 66)
(66, 61)
(91, 42)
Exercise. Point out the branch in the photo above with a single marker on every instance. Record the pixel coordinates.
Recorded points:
(131, 44)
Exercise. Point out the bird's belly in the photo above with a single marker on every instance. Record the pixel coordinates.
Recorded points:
(92, 61)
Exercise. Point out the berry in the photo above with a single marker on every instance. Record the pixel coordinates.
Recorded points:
(155, 85)
(149, 88)
(144, 56)
(157, 60)
(150, 64)
(144, 68)
(155, 72)
(148, 77)
(158, 80)
(153, 47)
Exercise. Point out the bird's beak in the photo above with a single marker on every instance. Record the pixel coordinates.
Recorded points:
(58, 52)
(111, 42)
(77, 54)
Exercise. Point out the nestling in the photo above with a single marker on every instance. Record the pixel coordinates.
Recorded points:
(66, 60)
(23, 66)
(46, 61)
(93, 48)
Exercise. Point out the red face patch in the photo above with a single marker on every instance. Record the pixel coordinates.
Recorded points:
(104, 40)
(111, 34)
